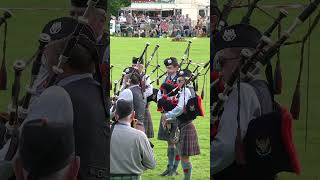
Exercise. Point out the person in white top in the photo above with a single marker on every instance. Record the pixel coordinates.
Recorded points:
(229, 43)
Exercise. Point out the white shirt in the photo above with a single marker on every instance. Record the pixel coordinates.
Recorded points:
(223, 145)
(185, 95)
(149, 88)
(126, 95)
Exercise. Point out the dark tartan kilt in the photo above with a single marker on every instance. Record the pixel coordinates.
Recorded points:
(148, 125)
(162, 135)
(188, 144)
(126, 178)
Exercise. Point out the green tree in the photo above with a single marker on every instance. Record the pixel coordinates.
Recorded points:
(115, 5)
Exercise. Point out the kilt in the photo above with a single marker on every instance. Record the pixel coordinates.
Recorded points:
(148, 125)
(162, 134)
(188, 144)
(127, 177)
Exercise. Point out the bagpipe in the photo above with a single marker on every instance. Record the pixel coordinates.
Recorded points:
(3, 71)
(268, 146)
(172, 91)
(140, 61)
(184, 60)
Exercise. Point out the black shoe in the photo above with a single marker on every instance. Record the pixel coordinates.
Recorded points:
(166, 172)
(172, 173)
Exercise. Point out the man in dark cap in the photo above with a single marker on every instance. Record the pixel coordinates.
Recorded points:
(132, 81)
(91, 128)
(61, 28)
(172, 67)
(46, 148)
(130, 151)
(148, 91)
(255, 100)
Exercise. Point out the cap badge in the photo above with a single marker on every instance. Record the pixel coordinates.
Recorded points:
(56, 28)
(229, 35)
(263, 146)
(192, 108)
(169, 61)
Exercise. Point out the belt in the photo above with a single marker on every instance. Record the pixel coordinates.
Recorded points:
(98, 172)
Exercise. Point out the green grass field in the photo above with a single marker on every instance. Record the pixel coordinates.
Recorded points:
(122, 50)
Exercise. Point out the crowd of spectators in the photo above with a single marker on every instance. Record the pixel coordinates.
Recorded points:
(140, 25)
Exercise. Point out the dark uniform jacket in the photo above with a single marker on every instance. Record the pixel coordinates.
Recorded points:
(92, 132)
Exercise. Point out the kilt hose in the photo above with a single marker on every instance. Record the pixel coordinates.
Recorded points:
(188, 144)
(148, 125)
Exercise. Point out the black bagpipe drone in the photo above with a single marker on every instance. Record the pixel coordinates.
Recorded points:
(3, 71)
(277, 132)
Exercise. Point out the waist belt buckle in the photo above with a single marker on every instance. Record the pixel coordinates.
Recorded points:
(97, 172)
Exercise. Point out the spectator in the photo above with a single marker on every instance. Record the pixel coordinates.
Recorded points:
(130, 150)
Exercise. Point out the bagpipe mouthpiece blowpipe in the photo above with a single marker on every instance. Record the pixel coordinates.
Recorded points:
(246, 18)
(6, 15)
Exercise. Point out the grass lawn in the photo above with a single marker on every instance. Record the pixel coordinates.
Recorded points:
(122, 50)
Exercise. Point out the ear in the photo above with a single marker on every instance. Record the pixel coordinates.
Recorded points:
(214, 19)
(18, 169)
(73, 170)
(133, 114)
(116, 117)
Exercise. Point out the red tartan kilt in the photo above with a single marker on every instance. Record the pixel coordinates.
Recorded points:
(188, 144)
